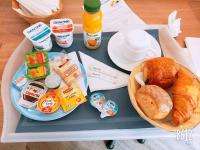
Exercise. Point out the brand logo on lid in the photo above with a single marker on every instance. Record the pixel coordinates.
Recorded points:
(36, 27)
(61, 21)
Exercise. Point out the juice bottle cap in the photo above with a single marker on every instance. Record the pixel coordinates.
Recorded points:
(92, 5)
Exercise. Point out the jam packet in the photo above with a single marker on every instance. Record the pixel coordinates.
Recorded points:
(35, 59)
(71, 97)
(39, 72)
(20, 82)
(49, 103)
(65, 67)
(31, 92)
(106, 107)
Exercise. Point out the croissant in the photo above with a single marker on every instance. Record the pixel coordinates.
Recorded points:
(185, 92)
(160, 71)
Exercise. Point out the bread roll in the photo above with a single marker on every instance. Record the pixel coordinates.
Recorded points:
(160, 71)
(154, 101)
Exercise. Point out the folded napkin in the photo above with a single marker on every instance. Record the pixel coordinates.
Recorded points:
(193, 47)
(174, 24)
(172, 49)
(102, 76)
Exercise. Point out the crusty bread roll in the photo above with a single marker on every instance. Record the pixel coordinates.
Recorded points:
(154, 101)
(160, 71)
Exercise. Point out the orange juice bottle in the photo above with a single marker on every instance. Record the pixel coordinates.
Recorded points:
(92, 23)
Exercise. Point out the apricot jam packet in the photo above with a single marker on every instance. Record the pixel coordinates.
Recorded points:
(71, 97)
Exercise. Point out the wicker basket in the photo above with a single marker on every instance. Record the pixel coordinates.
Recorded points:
(34, 19)
(165, 123)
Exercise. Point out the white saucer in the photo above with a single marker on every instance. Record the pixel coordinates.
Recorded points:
(115, 51)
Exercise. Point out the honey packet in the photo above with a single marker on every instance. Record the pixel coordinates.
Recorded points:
(71, 97)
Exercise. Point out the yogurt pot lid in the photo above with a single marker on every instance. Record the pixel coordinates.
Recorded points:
(61, 25)
(37, 31)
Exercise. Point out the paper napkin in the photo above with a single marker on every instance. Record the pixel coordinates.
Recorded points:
(118, 16)
(102, 76)
(174, 24)
(193, 47)
(172, 49)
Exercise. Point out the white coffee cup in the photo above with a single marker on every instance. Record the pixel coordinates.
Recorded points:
(137, 45)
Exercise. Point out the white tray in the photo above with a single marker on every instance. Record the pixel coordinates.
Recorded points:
(11, 116)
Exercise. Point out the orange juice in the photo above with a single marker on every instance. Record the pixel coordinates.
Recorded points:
(92, 23)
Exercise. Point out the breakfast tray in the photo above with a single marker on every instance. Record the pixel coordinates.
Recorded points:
(86, 117)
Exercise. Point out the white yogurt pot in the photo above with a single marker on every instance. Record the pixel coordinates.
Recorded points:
(39, 35)
(62, 29)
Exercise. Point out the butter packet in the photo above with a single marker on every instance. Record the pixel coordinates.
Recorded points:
(106, 107)
(109, 108)
(20, 82)
(71, 97)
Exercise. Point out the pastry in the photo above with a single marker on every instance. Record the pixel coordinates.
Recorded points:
(185, 93)
(154, 101)
(160, 71)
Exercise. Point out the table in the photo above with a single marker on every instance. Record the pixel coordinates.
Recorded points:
(151, 11)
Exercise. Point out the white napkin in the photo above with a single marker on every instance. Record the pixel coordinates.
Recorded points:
(172, 49)
(80, 80)
(118, 16)
(102, 76)
(174, 24)
(193, 47)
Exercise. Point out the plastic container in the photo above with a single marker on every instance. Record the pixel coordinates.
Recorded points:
(39, 35)
(92, 23)
(62, 29)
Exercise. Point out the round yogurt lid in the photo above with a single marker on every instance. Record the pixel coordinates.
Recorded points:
(52, 81)
(48, 103)
(97, 99)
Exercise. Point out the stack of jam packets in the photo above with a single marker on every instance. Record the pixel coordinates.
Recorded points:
(37, 64)
(106, 107)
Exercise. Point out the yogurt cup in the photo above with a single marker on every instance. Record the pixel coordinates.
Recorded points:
(39, 35)
(62, 29)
